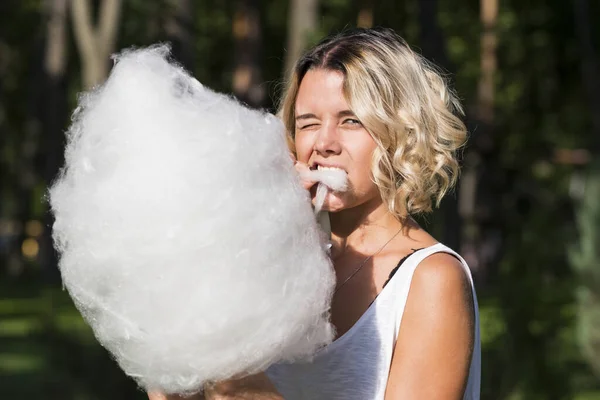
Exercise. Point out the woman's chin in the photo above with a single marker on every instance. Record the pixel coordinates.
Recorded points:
(333, 203)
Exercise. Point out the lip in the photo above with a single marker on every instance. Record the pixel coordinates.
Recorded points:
(315, 164)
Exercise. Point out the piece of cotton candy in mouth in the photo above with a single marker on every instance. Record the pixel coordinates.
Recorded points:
(183, 273)
(333, 179)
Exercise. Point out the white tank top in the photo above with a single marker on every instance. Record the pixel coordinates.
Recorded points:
(356, 366)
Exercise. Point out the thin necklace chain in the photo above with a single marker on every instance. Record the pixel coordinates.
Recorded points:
(362, 264)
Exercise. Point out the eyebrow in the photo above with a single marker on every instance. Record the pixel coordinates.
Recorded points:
(344, 113)
(305, 116)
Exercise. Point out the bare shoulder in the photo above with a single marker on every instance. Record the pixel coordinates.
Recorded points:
(441, 288)
(441, 300)
(441, 276)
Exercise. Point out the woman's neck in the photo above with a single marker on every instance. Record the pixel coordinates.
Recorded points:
(364, 227)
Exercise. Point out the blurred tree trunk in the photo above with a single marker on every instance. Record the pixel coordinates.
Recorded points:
(180, 28)
(589, 68)
(302, 20)
(586, 255)
(365, 14)
(247, 73)
(431, 36)
(53, 114)
(434, 48)
(9, 187)
(54, 109)
(489, 17)
(478, 205)
(95, 42)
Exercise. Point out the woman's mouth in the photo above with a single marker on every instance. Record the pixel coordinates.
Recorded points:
(319, 167)
(334, 178)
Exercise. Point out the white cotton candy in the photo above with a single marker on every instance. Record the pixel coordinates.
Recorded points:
(332, 179)
(185, 237)
(335, 179)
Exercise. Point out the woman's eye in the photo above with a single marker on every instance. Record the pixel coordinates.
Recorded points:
(308, 126)
(352, 121)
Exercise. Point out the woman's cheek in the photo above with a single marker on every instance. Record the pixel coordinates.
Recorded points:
(303, 147)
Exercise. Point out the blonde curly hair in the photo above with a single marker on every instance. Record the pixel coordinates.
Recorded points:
(404, 103)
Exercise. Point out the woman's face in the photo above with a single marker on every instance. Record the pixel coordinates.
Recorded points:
(329, 135)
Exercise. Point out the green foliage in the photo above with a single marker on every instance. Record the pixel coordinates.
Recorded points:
(528, 307)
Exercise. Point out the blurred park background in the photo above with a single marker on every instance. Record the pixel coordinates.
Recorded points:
(526, 214)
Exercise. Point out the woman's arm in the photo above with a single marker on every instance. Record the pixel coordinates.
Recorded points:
(433, 352)
(254, 387)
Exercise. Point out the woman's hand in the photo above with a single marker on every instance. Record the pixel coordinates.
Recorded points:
(254, 387)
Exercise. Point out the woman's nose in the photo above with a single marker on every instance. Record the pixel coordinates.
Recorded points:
(327, 142)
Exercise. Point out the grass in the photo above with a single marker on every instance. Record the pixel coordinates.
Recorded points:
(48, 352)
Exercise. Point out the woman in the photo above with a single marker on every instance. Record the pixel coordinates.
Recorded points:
(364, 102)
